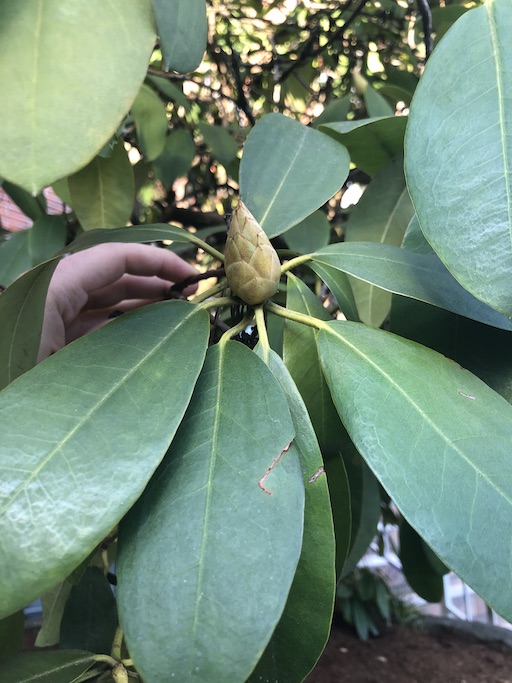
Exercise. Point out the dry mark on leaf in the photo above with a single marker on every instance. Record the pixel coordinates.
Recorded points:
(274, 462)
(471, 398)
(319, 471)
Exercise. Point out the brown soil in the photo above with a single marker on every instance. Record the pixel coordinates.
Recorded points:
(406, 654)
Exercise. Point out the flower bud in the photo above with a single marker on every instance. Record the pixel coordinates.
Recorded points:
(251, 262)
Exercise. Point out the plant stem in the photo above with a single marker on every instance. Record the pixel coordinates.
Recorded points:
(203, 245)
(294, 262)
(262, 332)
(233, 331)
(216, 289)
(107, 659)
(117, 644)
(217, 303)
(271, 307)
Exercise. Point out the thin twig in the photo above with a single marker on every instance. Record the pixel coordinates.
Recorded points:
(426, 17)
(178, 287)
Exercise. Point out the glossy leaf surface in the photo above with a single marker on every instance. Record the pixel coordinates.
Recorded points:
(40, 667)
(381, 215)
(182, 29)
(418, 276)
(371, 143)
(438, 439)
(82, 431)
(217, 534)
(293, 650)
(103, 193)
(466, 134)
(275, 178)
(36, 79)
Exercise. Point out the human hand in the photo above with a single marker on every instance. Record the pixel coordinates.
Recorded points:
(88, 286)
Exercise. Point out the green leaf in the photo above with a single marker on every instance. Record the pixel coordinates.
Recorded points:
(376, 104)
(182, 29)
(420, 575)
(340, 287)
(438, 439)
(89, 620)
(150, 118)
(293, 651)
(176, 159)
(45, 238)
(336, 110)
(21, 321)
(310, 234)
(103, 193)
(33, 207)
(63, 666)
(301, 359)
(418, 276)
(276, 182)
(27, 248)
(381, 215)
(53, 603)
(371, 143)
(46, 54)
(444, 17)
(223, 145)
(467, 218)
(217, 534)
(364, 504)
(145, 233)
(85, 409)
(170, 90)
(11, 635)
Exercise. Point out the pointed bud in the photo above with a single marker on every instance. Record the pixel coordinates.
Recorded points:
(251, 262)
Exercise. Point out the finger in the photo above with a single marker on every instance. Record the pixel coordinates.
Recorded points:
(128, 287)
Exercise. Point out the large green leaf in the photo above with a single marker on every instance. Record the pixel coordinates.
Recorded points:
(376, 105)
(11, 635)
(21, 320)
(52, 604)
(381, 215)
(41, 667)
(371, 143)
(293, 649)
(276, 181)
(223, 145)
(465, 341)
(438, 439)
(208, 554)
(97, 418)
(418, 276)
(33, 207)
(459, 152)
(340, 287)
(150, 117)
(103, 193)
(182, 29)
(97, 50)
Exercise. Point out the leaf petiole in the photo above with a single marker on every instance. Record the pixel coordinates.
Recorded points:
(296, 317)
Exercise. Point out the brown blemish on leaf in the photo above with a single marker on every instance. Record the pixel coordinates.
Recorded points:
(271, 467)
(319, 471)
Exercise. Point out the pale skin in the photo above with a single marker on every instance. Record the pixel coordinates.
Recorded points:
(87, 287)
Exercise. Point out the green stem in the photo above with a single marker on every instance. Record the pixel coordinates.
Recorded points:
(262, 333)
(217, 303)
(107, 659)
(210, 250)
(271, 307)
(216, 289)
(294, 262)
(117, 644)
(233, 331)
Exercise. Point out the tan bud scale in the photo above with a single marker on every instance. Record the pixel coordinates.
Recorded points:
(251, 262)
